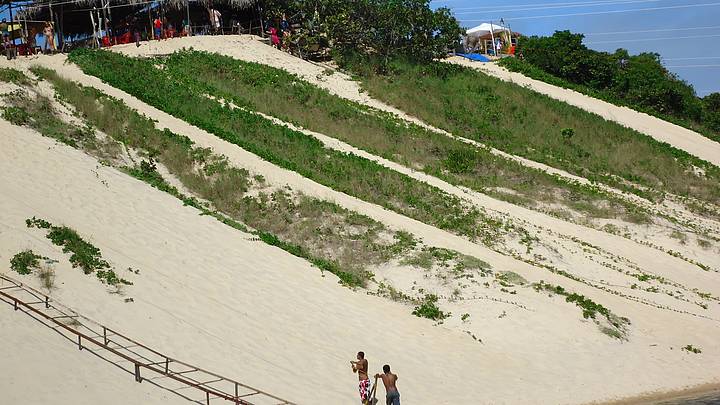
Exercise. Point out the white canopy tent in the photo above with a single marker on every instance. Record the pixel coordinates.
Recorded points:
(486, 28)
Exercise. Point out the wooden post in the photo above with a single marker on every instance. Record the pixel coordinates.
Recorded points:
(167, 365)
(79, 342)
(15, 304)
(137, 373)
(47, 302)
(105, 339)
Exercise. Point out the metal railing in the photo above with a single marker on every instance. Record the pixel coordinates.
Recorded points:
(88, 334)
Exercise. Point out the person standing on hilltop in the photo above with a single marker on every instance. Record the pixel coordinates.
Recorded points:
(392, 395)
(361, 368)
(158, 28)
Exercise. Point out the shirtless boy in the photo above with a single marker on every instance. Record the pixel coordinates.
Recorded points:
(361, 368)
(392, 396)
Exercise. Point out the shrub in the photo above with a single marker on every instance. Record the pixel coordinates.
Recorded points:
(428, 309)
(25, 261)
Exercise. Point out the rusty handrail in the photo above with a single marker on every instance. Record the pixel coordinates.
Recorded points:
(210, 393)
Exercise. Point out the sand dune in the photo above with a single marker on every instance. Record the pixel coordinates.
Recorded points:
(214, 296)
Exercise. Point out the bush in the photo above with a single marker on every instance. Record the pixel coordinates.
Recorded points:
(25, 261)
(429, 309)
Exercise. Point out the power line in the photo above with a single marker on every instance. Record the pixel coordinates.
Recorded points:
(692, 66)
(579, 3)
(694, 58)
(589, 4)
(658, 30)
(606, 12)
(652, 39)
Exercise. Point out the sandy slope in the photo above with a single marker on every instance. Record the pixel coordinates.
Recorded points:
(208, 294)
(40, 367)
(675, 135)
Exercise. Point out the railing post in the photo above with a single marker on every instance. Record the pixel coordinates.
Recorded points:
(167, 364)
(137, 373)
(47, 302)
(237, 400)
(105, 339)
(79, 342)
(15, 303)
(207, 395)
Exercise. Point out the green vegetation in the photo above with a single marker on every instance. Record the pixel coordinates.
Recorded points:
(638, 81)
(373, 27)
(460, 265)
(11, 75)
(343, 172)
(428, 309)
(334, 239)
(25, 262)
(82, 253)
(590, 309)
(251, 85)
(522, 122)
(40, 115)
(692, 349)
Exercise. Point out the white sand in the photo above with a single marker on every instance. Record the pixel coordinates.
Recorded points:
(209, 295)
(675, 135)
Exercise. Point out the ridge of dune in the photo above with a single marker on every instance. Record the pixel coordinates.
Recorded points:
(663, 131)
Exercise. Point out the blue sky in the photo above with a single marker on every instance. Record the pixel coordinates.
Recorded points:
(686, 33)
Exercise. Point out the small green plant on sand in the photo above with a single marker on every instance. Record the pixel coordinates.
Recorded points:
(692, 349)
(25, 262)
(428, 309)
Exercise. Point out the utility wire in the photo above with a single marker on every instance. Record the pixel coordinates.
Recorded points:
(652, 39)
(605, 12)
(578, 3)
(694, 58)
(658, 30)
(691, 66)
(510, 9)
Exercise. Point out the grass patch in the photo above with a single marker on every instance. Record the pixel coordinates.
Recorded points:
(38, 113)
(11, 75)
(250, 85)
(529, 70)
(523, 122)
(25, 262)
(82, 253)
(692, 349)
(612, 325)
